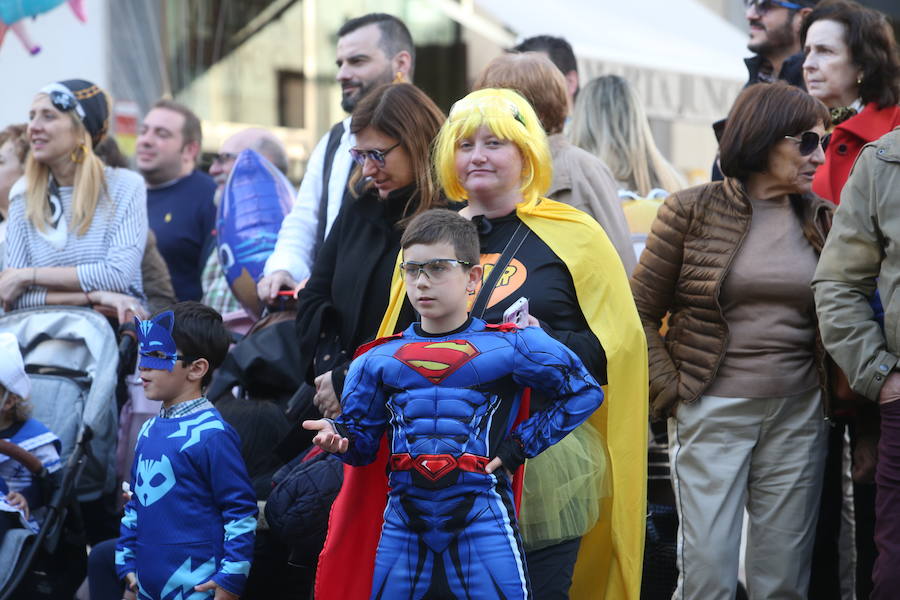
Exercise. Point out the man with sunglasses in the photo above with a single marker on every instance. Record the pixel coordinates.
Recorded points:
(372, 50)
(216, 291)
(775, 40)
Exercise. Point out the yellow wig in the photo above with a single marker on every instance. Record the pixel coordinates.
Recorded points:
(509, 116)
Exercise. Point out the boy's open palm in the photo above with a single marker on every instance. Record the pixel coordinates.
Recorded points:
(327, 439)
(221, 593)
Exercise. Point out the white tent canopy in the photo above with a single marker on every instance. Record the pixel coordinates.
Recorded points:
(686, 61)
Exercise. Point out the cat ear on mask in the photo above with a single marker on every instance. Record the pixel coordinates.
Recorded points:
(165, 320)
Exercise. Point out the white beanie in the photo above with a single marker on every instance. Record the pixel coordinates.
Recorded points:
(12, 369)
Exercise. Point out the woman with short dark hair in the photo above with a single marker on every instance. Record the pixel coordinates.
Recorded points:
(740, 372)
(852, 65)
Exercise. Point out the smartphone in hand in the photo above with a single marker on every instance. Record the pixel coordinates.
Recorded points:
(517, 313)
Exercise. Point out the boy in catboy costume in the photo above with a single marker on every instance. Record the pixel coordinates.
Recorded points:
(189, 528)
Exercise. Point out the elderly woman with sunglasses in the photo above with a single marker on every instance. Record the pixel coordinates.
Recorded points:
(852, 64)
(740, 372)
(342, 303)
(77, 229)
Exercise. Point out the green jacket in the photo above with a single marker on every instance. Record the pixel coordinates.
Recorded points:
(862, 252)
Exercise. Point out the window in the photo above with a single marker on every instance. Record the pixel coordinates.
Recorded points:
(291, 92)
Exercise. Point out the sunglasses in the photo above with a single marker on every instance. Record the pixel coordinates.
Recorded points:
(435, 269)
(808, 142)
(224, 157)
(764, 6)
(64, 100)
(360, 156)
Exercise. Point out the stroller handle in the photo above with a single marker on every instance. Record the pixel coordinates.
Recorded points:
(22, 456)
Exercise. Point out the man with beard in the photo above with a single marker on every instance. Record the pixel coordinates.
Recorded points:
(372, 50)
(775, 40)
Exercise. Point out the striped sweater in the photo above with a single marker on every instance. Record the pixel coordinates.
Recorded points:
(107, 257)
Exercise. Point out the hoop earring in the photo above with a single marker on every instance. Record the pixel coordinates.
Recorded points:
(78, 157)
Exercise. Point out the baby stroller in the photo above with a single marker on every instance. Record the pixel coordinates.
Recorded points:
(71, 357)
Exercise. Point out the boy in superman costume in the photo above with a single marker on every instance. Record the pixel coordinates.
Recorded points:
(451, 388)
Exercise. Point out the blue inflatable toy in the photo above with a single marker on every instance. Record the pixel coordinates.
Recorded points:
(255, 200)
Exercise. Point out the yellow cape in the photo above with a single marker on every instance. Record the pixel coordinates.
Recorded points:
(611, 555)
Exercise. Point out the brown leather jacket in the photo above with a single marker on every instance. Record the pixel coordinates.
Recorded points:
(691, 247)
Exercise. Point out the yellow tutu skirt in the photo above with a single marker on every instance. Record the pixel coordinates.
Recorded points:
(563, 488)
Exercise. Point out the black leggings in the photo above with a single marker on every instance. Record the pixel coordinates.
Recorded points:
(550, 569)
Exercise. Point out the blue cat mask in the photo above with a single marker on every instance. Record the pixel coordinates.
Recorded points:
(156, 346)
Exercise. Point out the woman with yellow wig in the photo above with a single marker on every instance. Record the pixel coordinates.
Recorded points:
(493, 153)
(586, 498)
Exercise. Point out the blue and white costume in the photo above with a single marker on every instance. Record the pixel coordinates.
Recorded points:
(34, 437)
(451, 402)
(192, 514)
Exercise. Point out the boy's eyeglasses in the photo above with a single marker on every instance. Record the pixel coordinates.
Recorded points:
(360, 156)
(764, 6)
(160, 355)
(435, 269)
(807, 142)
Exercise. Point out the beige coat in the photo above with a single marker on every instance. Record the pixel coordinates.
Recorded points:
(582, 180)
(862, 253)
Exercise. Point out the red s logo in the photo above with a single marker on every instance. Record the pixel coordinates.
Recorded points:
(435, 361)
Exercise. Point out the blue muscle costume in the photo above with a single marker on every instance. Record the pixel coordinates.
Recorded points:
(192, 515)
(451, 400)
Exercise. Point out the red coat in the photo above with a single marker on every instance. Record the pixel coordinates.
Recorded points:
(847, 140)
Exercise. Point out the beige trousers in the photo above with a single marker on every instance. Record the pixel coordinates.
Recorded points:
(763, 454)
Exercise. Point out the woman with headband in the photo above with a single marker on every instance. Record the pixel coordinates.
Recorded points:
(77, 229)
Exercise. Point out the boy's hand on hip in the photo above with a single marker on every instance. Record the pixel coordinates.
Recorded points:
(221, 593)
(327, 439)
(495, 464)
(131, 582)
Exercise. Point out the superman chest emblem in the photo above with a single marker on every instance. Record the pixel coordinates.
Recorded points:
(435, 361)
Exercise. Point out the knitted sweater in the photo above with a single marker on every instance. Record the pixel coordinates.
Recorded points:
(192, 515)
(107, 257)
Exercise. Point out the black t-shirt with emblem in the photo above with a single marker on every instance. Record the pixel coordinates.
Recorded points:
(536, 273)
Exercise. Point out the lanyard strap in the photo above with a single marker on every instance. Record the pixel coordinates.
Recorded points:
(488, 285)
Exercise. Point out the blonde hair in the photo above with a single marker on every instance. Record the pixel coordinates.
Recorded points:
(609, 121)
(90, 183)
(509, 116)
